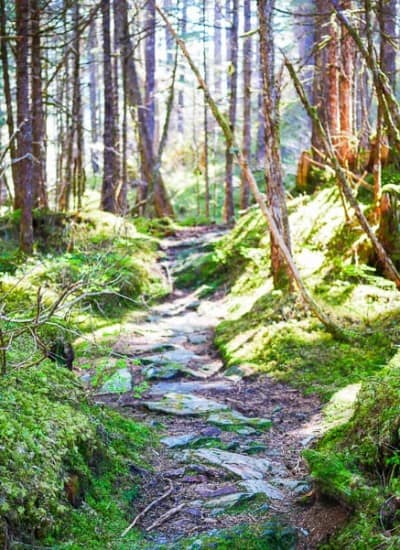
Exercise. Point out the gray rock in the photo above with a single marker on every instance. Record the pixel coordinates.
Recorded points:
(204, 492)
(228, 501)
(256, 486)
(235, 373)
(178, 440)
(188, 387)
(211, 432)
(194, 512)
(297, 486)
(163, 372)
(243, 466)
(197, 339)
(205, 371)
(192, 306)
(302, 488)
(184, 404)
(179, 356)
(119, 382)
(134, 348)
(86, 378)
(306, 442)
(234, 421)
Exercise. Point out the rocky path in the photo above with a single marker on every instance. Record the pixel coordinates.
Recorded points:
(231, 446)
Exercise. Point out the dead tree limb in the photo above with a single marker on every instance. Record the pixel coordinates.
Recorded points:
(387, 265)
(223, 122)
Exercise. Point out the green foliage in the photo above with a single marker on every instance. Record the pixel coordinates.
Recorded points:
(156, 227)
(228, 257)
(271, 535)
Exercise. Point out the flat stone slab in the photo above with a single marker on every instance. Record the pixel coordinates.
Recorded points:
(179, 440)
(234, 421)
(228, 501)
(243, 466)
(205, 371)
(179, 356)
(119, 382)
(256, 486)
(133, 349)
(163, 372)
(184, 404)
(197, 339)
(162, 388)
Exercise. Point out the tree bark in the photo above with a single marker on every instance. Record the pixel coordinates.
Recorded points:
(38, 115)
(24, 122)
(346, 86)
(156, 195)
(181, 79)
(387, 13)
(332, 70)
(9, 103)
(205, 120)
(233, 12)
(108, 199)
(319, 79)
(93, 104)
(246, 140)
(273, 165)
(150, 64)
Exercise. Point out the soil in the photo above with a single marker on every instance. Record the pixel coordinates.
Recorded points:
(296, 421)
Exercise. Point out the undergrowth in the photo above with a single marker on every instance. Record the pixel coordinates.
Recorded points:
(358, 461)
(57, 449)
(68, 468)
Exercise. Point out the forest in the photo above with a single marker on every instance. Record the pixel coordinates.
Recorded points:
(199, 274)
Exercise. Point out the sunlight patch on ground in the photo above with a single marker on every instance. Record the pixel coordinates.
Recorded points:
(309, 261)
(340, 408)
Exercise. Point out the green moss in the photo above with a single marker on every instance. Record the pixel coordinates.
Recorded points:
(271, 535)
(49, 432)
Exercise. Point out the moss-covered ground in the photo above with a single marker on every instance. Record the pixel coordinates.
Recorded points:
(58, 450)
(268, 331)
(68, 469)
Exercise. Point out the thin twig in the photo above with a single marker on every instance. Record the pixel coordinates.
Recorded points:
(149, 507)
(162, 519)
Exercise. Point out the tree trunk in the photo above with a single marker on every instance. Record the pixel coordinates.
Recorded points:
(319, 79)
(387, 265)
(273, 165)
(38, 118)
(387, 13)
(24, 122)
(205, 120)
(156, 195)
(229, 137)
(246, 141)
(181, 92)
(150, 64)
(78, 173)
(233, 12)
(93, 105)
(108, 202)
(332, 72)
(9, 103)
(346, 86)
(115, 59)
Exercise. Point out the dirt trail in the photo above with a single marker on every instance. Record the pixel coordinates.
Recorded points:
(225, 463)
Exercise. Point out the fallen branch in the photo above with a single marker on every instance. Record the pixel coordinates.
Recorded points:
(149, 507)
(358, 179)
(165, 516)
(223, 123)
